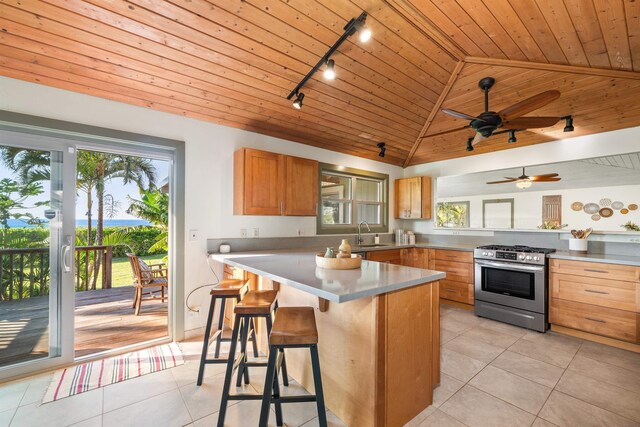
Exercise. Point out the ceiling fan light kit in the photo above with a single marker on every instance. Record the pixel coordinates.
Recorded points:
(510, 119)
(522, 184)
(353, 26)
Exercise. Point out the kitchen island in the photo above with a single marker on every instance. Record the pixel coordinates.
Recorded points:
(378, 327)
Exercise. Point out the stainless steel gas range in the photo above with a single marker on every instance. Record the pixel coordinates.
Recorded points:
(511, 285)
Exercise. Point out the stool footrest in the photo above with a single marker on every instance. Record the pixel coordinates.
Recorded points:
(245, 397)
(214, 361)
(294, 399)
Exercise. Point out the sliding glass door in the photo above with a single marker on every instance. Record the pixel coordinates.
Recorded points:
(37, 222)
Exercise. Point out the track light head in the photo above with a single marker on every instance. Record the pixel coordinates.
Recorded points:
(470, 144)
(365, 34)
(329, 71)
(381, 146)
(512, 136)
(297, 104)
(568, 124)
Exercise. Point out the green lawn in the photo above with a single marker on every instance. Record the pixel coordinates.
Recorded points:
(121, 274)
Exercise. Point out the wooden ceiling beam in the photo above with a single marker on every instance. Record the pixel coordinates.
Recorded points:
(554, 67)
(436, 108)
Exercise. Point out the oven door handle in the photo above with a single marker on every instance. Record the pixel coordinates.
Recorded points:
(510, 266)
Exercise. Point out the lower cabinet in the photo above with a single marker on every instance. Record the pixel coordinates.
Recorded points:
(584, 297)
(458, 285)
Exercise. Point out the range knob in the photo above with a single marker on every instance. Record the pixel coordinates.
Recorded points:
(491, 254)
(528, 258)
(484, 254)
(536, 258)
(521, 257)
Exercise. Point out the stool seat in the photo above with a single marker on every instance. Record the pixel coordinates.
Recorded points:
(257, 302)
(294, 326)
(229, 287)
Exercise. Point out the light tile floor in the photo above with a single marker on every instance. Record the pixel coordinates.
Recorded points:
(493, 374)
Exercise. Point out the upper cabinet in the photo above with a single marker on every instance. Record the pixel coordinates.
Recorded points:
(268, 183)
(301, 186)
(413, 198)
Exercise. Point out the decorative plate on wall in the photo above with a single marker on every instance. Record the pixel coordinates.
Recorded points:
(605, 202)
(606, 212)
(595, 217)
(624, 211)
(577, 206)
(633, 207)
(617, 205)
(591, 208)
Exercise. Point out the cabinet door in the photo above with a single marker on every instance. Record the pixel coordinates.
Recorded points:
(301, 186)
(425, 185)
(392, 256)
(258, 180)
(415, 197)
(402, 198)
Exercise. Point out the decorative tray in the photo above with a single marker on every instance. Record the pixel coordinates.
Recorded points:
(339, 263)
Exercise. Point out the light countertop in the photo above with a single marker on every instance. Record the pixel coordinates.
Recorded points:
(604, 258)
(297, 268)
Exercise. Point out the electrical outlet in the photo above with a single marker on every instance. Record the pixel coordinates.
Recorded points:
(256, 232)
(193, 235)
(243, 232)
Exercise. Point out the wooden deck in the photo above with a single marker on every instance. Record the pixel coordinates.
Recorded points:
(104, 321)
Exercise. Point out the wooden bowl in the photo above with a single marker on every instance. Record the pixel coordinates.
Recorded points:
(339, 263)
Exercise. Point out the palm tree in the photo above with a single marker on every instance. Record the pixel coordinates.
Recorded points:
(154, 207)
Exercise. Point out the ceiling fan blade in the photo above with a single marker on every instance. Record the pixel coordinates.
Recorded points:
(539, 177)
(477, 138)
(502, 182)
(528, 105)
(530, 122)
(458, 114)
(546, 179)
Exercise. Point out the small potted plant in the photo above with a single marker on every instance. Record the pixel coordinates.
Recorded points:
(631, 226)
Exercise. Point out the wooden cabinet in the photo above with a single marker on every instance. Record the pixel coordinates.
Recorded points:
(266, 183)
(598, 298)
(391, 256)
(301, 186)
(458, 286)
(415, 257)
(413, 198)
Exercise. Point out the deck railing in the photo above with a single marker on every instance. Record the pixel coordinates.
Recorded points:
(24, 273)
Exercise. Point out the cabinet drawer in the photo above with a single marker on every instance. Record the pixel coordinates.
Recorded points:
(391, 256)
(458, 256)
(456, 271)
(456, 291)
(593, 290)
(609, 322)
(596, 269)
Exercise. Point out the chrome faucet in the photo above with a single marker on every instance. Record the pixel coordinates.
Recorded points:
(359, 238)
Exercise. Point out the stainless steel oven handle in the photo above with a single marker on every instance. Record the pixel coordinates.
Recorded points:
(510, 266)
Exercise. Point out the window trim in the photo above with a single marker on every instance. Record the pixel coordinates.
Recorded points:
(353, 228)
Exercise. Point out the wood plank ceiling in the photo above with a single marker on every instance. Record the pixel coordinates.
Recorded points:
(233, 62)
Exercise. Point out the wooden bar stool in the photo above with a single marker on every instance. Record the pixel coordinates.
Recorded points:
(294, 327)
(226, 289)
(254, 304)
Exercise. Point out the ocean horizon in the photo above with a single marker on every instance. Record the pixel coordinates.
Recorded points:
(15, 223)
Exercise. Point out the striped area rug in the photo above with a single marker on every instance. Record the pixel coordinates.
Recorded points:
(89, 376)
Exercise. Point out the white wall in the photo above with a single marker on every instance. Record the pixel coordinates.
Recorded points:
(602, 144)
(209, 164)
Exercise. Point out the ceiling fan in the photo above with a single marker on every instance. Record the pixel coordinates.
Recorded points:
(510, 118)
(525, 181)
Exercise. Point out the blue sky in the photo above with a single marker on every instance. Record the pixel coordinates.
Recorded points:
(116, 188)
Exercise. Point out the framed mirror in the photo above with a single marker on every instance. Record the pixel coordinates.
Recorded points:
(602, 193)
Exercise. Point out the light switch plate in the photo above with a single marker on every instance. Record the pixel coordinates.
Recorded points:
(243, 232)
(256, 232)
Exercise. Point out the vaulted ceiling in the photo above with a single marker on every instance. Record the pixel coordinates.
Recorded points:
(233, 62)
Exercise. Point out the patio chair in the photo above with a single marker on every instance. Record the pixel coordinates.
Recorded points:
(147, 276)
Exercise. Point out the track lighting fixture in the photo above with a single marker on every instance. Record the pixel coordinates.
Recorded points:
(365, 34)
(297, 104)
(329, 71)
(381, 146)
(512, 136)
(568, 123)
(469, 144)
(353, 26)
